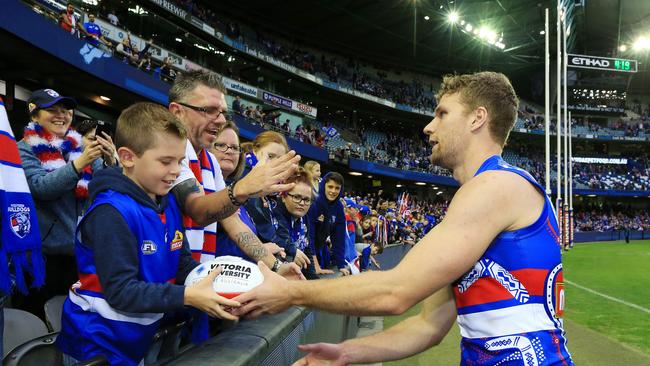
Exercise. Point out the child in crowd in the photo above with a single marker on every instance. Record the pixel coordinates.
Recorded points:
(131, 250)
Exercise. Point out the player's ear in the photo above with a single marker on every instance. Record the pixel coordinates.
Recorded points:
(480, 118)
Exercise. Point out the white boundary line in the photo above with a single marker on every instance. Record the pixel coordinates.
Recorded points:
(635, 306)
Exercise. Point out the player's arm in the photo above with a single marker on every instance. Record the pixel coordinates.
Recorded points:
(410, 336)
(484, 207)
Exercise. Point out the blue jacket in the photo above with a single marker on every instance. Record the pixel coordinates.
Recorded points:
(57, 207)
(327, 218)
(130, 255)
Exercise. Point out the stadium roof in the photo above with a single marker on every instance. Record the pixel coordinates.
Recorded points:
(383, 31)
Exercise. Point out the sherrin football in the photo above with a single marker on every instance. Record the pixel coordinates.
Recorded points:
(237, 275)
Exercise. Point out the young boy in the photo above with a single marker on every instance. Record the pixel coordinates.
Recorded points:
(328, 220)
(131, 252)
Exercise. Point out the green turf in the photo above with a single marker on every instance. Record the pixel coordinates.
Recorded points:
(599, 331)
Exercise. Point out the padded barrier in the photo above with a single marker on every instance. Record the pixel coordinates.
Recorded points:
(273, 339)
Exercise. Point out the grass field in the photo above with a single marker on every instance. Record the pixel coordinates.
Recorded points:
(612, 330)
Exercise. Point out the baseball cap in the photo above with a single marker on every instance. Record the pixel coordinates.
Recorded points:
(45, 98)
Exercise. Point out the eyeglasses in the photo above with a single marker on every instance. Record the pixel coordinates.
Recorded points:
(212, 112)
(299, 199)
(225, 147)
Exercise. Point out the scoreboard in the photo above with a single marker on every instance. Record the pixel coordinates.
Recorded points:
(602, 63)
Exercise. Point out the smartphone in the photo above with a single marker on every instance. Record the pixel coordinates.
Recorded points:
(103, 126)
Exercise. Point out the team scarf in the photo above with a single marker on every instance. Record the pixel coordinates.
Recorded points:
(54, 152)
(20, 242)
(202, 240)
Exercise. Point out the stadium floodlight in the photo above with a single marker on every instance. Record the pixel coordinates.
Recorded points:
(420, 183)
(542, 32)
(462, 22)
(641, 44)
(398, 186)
(476, 31)
(178, 39)
(356, 174)
(452, 17)
(469, 27)
(426, 17)
(105, 98)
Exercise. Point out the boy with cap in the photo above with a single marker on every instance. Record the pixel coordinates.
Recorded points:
(131, 250)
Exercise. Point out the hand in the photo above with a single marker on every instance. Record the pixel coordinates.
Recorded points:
(90, 154)
(201, 295)
(322, 354)
(291, 271)
(275, 249)
(344, 271)
(108, 148)
(267, 178)
(323, 271)
(268, 298)
(301, 259)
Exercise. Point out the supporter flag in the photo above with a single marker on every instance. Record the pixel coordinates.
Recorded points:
(20, 239)
(330, 132)
(403, 204)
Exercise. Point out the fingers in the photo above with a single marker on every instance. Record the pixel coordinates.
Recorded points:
(282, 187)
(301, 362)
(227, 302)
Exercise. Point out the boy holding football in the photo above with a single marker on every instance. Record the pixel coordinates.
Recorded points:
(130, 247)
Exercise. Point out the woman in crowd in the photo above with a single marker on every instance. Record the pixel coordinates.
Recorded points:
(314, 170)
(267, 146)
(58, 166)
(227, 150)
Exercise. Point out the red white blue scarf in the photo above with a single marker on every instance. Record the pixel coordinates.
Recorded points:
(20, 240)
(55, 152)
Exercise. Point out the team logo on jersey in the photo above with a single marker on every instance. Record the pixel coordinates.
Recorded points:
(19, 219)
(148, 247)
(177, 243)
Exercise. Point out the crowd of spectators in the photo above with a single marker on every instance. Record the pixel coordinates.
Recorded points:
(347, 71)
(608, 219)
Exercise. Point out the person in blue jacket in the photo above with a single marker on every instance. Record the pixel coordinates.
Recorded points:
(131, 251)
(328, 223)
(291, 212)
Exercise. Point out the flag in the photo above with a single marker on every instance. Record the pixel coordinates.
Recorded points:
(330, 132)
(20, 239)
(404, 204)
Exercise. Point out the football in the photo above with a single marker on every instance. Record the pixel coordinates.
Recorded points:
(237, 275)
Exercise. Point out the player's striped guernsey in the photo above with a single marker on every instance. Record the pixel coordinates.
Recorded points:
(90, 326)
(511, 302)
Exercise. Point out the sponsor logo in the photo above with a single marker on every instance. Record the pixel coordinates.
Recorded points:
(304, 108)
(177, 243)
(19, 219)
(559, 299)
(90, 53)
(148, 247)
(52, 93)
(232, 270)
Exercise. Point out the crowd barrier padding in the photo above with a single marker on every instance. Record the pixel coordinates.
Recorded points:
(273, 339)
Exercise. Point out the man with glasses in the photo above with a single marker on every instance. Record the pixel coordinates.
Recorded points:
(290, 212)
(198, 100)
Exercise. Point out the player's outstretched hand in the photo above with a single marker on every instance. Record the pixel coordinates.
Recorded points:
(268, 298)
(202, 296)
(322, 354)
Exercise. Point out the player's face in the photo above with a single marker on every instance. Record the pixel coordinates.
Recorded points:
(55, 119)
(332, 190)
(300, 192)
(159, 166)
(203, 127)
(446, 132)
(270, 152)
(227, 160)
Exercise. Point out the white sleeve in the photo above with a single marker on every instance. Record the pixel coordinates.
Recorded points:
(186, 173)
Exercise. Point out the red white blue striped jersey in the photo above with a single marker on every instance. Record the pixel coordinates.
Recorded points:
(511, 302)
